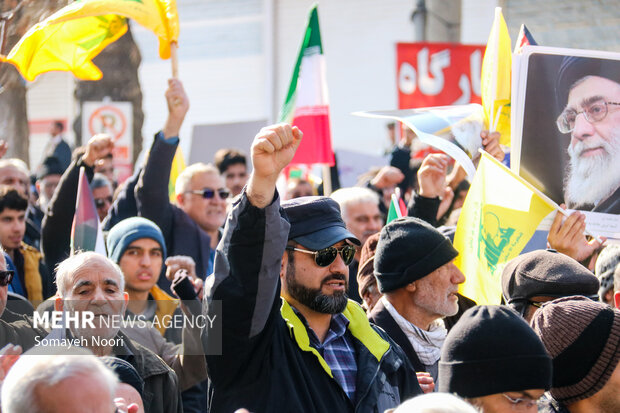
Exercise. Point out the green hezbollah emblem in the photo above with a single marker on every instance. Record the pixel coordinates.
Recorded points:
(493, 238)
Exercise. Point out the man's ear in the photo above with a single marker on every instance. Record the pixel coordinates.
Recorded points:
(179, 198)
(283, 264)
(411, 287)
(58, 304)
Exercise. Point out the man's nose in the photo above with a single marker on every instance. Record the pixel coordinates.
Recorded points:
(457, 276)
(145, 260)
(338, 266)
(99, 295)
(583, 128)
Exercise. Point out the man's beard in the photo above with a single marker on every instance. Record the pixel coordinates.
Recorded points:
(313, 298)
(592, 179)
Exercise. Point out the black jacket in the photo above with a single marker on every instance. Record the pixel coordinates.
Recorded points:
(262, 359)
(183, 236)
(56, 227)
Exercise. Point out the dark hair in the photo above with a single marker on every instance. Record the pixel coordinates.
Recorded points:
(227, 157)
(11, 199)
(60, 125)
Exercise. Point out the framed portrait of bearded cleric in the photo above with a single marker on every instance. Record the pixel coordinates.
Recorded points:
(566, 130)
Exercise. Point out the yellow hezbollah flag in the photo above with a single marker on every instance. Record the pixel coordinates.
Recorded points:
(158, 16)
(68, 46)
(500, 214)
(495, 78)
(69, 39)
(178, 165)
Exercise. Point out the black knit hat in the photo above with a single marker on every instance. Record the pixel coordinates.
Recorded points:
(490, 350)
(545, 273)
(583, 337)
(409, 249)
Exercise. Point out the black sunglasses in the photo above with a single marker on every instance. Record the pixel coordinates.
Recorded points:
(6, 277)
(210, 193)
(100, 202)
(326, 256)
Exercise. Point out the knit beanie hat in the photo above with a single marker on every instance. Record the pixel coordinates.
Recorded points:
(129, 230)
(490, 350)
(606, 264)
(409, 249)
(583, 338)
(365, 272)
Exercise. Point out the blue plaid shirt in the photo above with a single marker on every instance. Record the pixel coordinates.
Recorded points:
(338, 351)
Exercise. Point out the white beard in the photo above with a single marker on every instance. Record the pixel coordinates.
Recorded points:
(593, 179)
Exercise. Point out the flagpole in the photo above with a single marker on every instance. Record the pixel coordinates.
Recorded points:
(327, 180)
(531, 187)
(174, 60)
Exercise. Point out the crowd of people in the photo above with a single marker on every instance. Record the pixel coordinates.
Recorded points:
(314, 303)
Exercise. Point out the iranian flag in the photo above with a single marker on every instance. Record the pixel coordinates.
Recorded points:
(306, 104)
(397, 209)
(86, 232)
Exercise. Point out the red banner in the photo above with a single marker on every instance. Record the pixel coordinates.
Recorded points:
(438, 74)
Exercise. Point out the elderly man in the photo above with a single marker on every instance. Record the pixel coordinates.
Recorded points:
(494, 360)
(590, 93)
(583, 339)
(191, 226)
(361, 215)
(414, 267)
(59, 382)
(91, 282)
(536, 277)
(311, 349)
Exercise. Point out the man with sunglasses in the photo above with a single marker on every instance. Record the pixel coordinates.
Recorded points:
(102, 191)
(14, 328)
(290, 338)
(589, 91)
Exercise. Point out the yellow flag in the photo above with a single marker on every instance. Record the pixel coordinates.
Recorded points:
(68, 46)
(178, 165)
(69, 39)
(500, 214)
(495, 78)
(158, 16)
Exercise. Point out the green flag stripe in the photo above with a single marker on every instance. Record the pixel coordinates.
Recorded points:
(312, 41)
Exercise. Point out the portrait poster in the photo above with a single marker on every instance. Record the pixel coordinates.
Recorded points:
(577, 91)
